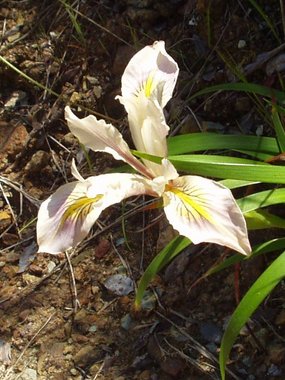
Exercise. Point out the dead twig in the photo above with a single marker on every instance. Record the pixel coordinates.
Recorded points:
(76, 302)
(28, 345)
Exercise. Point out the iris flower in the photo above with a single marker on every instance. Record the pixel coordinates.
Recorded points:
(198, 208)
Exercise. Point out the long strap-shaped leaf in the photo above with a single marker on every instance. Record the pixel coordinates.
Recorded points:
(244, 87)
(253, 298)
(163, 258)
(195, 142)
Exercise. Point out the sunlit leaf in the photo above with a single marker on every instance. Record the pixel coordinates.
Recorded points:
(195, 142)
(261, 199)
(262, 219)
(252, 299)
(229, 168)
(244, 87)
(260, 249)
(160, 261)
(279, 128)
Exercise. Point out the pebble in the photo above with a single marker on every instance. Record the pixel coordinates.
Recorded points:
(29, 374)
(276, 353)
(84, 356)
(280, 319)
(241, 44)
(69, 139)
(17, 98)
(119, 284)
(210, 332)
(37, 162)
(73, 371)
(51, 265)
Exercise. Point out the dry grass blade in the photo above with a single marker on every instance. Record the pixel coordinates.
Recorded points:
(196, 345)
(9, 372)
(16, 186)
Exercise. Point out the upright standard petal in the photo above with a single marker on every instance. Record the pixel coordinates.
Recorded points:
(148, 128)
(151, 72)
(66, 217)
(205, 211)
(100, 136)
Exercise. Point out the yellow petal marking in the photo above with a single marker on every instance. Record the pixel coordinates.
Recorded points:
(186, 199)
(79, 208)
(149, 85)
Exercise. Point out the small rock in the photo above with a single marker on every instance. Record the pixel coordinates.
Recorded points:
(126, 322)
(5, 352)
(51, 265)
(210, 332)
(276, 353)
(276, 64)
(74, 371)
(30, 279)
(243, 104)
(5, 220)
(102, 248)
(15, 142)
(274, 371)
(145, 17)
(172, 366)
(119, 284)
(241, 44)
(280, 319)
(29, 374)
(38, 161)
(144, 375)
(69, 139)
(85, 356)
(12, 257)
(17, 98)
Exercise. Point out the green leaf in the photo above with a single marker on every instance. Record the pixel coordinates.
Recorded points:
(279, 129)
(261, 199)
(195, 142)
(236, 183)
(252, 299)
(260, 249)
(244, 87)
(161, 259)
(229, 168)
(256, 155)
(261, 219)
(266, 18)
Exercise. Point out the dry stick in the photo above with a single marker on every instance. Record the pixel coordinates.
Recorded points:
(28, 345)
(196, 345)
(194, 362)
(11, 209)
(76, 302)
(99, 371)
(11, 301)
(123, 261)
(282, 11)
(17, 187)
(96, 23)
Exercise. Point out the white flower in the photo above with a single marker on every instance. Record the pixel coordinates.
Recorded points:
(198, 208)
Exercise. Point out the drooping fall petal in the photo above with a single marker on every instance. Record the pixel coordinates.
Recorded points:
(152, 72)
(100, 136)
(205, 211)
(66, 217)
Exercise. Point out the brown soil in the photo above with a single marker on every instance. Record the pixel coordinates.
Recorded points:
(58, 317)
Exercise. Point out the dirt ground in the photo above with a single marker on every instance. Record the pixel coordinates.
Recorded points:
(60, 319)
